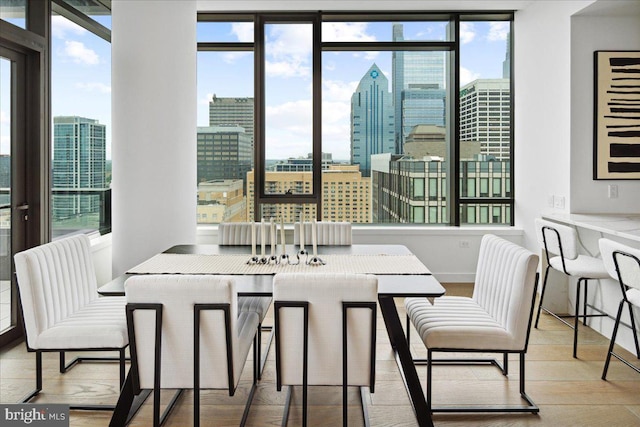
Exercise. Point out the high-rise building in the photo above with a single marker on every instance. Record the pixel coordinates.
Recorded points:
(224, 152)
(301, 164)
(221, 201)
(79, 158)
(485, 116)
(506, 64)
(346, 194)
(372, 119)
(408, 190)
(232, 111)
(419, 95)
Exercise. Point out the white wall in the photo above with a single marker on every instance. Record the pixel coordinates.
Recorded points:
(588, 34)
(154, 128)
(542, 110)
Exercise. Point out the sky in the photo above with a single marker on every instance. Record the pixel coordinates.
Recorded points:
(288, 74)
(81, 75)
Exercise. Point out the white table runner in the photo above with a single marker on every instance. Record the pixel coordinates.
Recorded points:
(237, 264)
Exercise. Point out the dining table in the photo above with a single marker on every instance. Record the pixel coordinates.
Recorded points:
(399, 272)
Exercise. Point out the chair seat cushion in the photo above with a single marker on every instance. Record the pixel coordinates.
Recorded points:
(101, 323)
(583, 266)
(457, 323)
(259, 305)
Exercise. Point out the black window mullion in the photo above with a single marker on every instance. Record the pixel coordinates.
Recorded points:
(259, 118)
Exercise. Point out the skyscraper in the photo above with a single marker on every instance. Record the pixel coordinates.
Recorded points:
(485, 116)
(232, 111)
(506, 64)
(418, 89)
(372, 119)
(78, 164)
(224, 152)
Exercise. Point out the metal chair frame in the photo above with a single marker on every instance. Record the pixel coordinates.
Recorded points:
(624, 301)
(158, 419)
(66, 367)
(576, 316)
(430, 361)
(305, 355)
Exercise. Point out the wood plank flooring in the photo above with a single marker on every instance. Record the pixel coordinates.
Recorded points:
(568, 391)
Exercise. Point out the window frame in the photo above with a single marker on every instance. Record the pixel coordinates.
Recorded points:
(452, 45)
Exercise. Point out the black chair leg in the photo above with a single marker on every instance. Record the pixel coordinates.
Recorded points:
(613, 340)
(575, 322)
(584, 303)
(544, 288)
(635, 332)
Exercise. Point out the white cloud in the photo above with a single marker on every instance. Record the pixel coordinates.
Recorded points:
(243, 31)
(498, 31)
(467, 32)
(5, 144)
(94, 87)
(294, 116)
(61, 26)
(467, 76)
(288, 50)
(80, 54)
(334, 90)
(232, 57)
(291, 68)
(346, 31)
(4, 117)
(206, 100)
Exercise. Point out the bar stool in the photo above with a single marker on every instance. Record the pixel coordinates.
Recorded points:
(562, 241)
(623, 264)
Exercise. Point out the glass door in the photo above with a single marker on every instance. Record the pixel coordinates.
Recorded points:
(13, 206)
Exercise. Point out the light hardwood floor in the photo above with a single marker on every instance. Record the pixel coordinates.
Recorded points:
(568, 391)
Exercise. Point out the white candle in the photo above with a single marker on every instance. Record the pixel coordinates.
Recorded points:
(301, 232)
(314, 240)
(263, 238)
(253, 239)
(272, 237)
(282, 240)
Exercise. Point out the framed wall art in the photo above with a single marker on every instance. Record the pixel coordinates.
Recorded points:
(616, 115)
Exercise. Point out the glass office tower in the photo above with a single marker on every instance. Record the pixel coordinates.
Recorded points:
(372, 119)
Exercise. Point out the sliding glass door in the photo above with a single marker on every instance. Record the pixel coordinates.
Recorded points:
(13, 207)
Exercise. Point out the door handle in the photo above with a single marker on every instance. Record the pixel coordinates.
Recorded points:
(23, 209)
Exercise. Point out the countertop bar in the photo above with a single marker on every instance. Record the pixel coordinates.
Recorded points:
(622, 225)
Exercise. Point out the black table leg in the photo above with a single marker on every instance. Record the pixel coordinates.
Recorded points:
(128, 404)
(405, 360)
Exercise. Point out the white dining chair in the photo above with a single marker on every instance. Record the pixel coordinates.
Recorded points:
(62, 310)
(186, 333)
(325, 333)
(623, 264)
(239, 234)
(560, 245)
(496, 319)
(327, 233)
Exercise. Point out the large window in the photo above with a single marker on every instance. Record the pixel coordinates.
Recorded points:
(81, 111)
(356, 118)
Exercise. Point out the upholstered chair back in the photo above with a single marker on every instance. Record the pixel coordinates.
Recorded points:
(628, 261)
(328, 233)
(505, 285)
(568, 238)
(55, 280)
(239, 233)
(324, 293)
(177, 294)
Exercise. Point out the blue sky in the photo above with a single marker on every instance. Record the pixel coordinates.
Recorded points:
(81, 75)
(288, 74)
